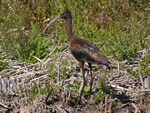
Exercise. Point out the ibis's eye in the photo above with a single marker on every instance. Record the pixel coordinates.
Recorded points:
(63, 14)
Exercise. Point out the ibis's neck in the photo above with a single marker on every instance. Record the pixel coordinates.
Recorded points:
(69, 28)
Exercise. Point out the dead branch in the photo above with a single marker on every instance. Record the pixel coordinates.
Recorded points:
(5, 106)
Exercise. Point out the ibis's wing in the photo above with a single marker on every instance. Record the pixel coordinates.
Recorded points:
(88, 52)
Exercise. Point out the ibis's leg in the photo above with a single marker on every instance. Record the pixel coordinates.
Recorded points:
(91, 82)
(83, 83)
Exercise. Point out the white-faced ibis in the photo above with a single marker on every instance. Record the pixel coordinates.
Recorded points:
(82, 50)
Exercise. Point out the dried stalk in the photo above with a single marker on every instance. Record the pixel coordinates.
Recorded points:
(141, 78)
(5, 106)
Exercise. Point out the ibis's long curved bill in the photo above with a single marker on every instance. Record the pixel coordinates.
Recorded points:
(58, 17)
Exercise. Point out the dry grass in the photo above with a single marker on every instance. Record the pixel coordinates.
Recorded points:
(126, 92)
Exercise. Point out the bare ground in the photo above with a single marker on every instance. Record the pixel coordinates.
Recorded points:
(126, 94)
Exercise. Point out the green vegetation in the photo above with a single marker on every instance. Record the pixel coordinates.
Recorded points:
(2, 64)
(119, 27)
(37, 88)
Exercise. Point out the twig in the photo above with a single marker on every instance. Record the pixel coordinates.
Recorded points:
(106, 103)
(118, 69)
(0, 87)
(141, 78)
(58, 77)
(122, 106)
(49, 55)
(5, 106)
(24, 75)
(148, 80)
(52, 51)
(38, 59)
(86, 75)
(68, 95)
(4, 85)
(110, 106)
(60, 109)
(102, 47)
(44, 76)
(38, 82)
(72, 78)
(145, 90)
(26, 68)
(61, 84)
(136, 108)
(119, 87)
(46, 20)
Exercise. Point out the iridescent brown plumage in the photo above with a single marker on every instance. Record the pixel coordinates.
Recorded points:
(82, 50)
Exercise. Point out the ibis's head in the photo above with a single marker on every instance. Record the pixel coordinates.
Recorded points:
(65, 14)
